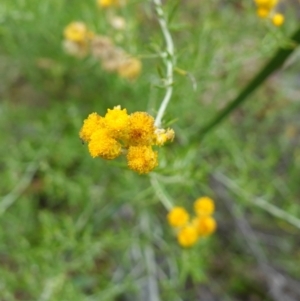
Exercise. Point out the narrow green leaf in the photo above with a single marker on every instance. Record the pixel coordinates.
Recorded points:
(173, 11)
(273, 64)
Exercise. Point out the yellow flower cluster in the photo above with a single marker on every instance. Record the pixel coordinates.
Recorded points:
(266, 9)
(80, 41)
(190, 230)
(120, 133)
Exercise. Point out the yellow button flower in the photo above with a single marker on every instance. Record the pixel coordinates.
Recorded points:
(76, 32)
(141, 159)
(187, 236)
(90, 125)
(109, 3)
(278, 19)
(116, 121)
(205, 225)
(162, 136)
(204, 206)
(178, 217)
(102, 145)
(269, 4)
(141, 129)
(263, 12)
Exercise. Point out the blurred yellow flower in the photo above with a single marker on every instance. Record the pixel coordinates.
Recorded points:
(201, 225)
(103, 145)
(268, 4)
(262, 12)
(266, 9)
(90, 125)
(204, 206)
(141, 159)
(178, 217)
(278, 19)
(187, 236)
(109, 3)
(162, 136)
(77, 32)
(130, 68)
(205, 225)
(77, 38)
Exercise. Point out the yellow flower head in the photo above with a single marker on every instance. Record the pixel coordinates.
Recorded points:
(109, 3)
(205, 225)
(77, 32)
(268, 4)
(141, 159)
(278, 19)
(103, 145)
(187, 236)
(90, 125)
(262, 12)
(178, 217)
(141, 129)
(162, 136)
(116, 121)
(204, 206)
(130, 68)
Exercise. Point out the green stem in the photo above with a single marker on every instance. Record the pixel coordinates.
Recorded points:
(274, 63)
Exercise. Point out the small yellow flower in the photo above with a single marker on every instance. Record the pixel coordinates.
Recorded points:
(204, 206)
(130, 68)
(90, 125)
(205, 225)
(141, 159)
(141, 129)
(102, 145)
(116, 121)
(109, 3)
(178, 217)
(77, 32)
(263, 12)
(278, 19)
(268, 4)
(187, 236)
(162, 136)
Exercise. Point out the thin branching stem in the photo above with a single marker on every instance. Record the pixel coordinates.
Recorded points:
(169, 60)
(259, 202)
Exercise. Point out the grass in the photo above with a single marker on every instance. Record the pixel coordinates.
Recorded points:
(77, 228)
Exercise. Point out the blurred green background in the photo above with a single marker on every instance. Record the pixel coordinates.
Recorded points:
(77, 228)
